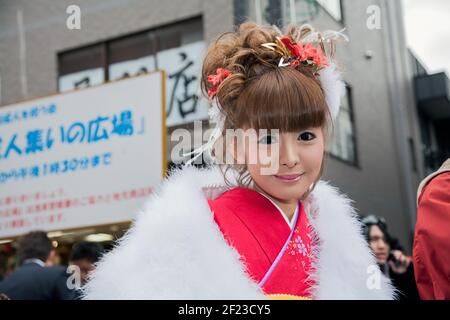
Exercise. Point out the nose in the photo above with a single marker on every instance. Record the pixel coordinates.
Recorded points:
(381, 245)
(288, 156)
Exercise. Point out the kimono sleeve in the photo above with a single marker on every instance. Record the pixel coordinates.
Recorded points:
(432, 240)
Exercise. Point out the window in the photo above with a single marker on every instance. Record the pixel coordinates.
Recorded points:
(283, 12)
(81, 68)
(132, 55)
(241, 11)
(303, 11)
(175, 48)
(344, 145)
(299, 11)
(333, 7)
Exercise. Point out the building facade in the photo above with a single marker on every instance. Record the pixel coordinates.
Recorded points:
(376, 158)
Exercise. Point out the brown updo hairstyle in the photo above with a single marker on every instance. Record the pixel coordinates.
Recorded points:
(259, 94)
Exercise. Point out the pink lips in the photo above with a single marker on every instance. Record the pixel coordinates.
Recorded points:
(288, 177)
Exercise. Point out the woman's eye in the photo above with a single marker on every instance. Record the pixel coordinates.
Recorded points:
(306, 136)
(268, 140)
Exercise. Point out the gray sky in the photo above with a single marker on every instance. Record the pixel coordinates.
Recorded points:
(427, 24)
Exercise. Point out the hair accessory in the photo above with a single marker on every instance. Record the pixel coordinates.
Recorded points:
(293, 54)
(302, 48)
(216, 80)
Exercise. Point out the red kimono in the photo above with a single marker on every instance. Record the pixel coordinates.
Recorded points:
(275, 251)
(432, 237)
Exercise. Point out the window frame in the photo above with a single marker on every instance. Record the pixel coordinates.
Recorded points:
(105, 45)
(356, 162)
(341, 8)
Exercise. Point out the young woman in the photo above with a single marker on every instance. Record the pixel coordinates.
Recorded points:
(252, 229)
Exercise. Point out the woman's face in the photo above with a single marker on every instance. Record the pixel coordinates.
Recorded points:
(378, 244)
(287, 164)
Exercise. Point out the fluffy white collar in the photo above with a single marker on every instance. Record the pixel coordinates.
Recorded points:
(174, 249)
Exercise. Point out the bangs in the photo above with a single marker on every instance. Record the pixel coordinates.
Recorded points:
(282, 98)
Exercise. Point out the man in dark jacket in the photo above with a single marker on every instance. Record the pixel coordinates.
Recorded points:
(34, 279)
(84, 256)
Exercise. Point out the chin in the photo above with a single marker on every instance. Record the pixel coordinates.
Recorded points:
(286, 196)
(381, 262)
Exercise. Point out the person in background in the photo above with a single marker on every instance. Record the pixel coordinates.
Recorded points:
(390, 257)
(4, 297)
(7, 260)
(37, 278)
(85, 255)
(3, 263)
(431, 249)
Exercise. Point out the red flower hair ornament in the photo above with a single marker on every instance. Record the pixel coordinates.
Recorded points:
(293, 54)
(216, 79)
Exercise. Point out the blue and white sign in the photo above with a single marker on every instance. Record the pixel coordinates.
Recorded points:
(82, 158)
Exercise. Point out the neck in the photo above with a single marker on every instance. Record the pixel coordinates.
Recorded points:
(36, 261)
(287, 206)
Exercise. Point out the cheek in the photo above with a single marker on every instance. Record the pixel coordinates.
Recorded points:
(254, 170)
(262, 180)
(312, 159)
